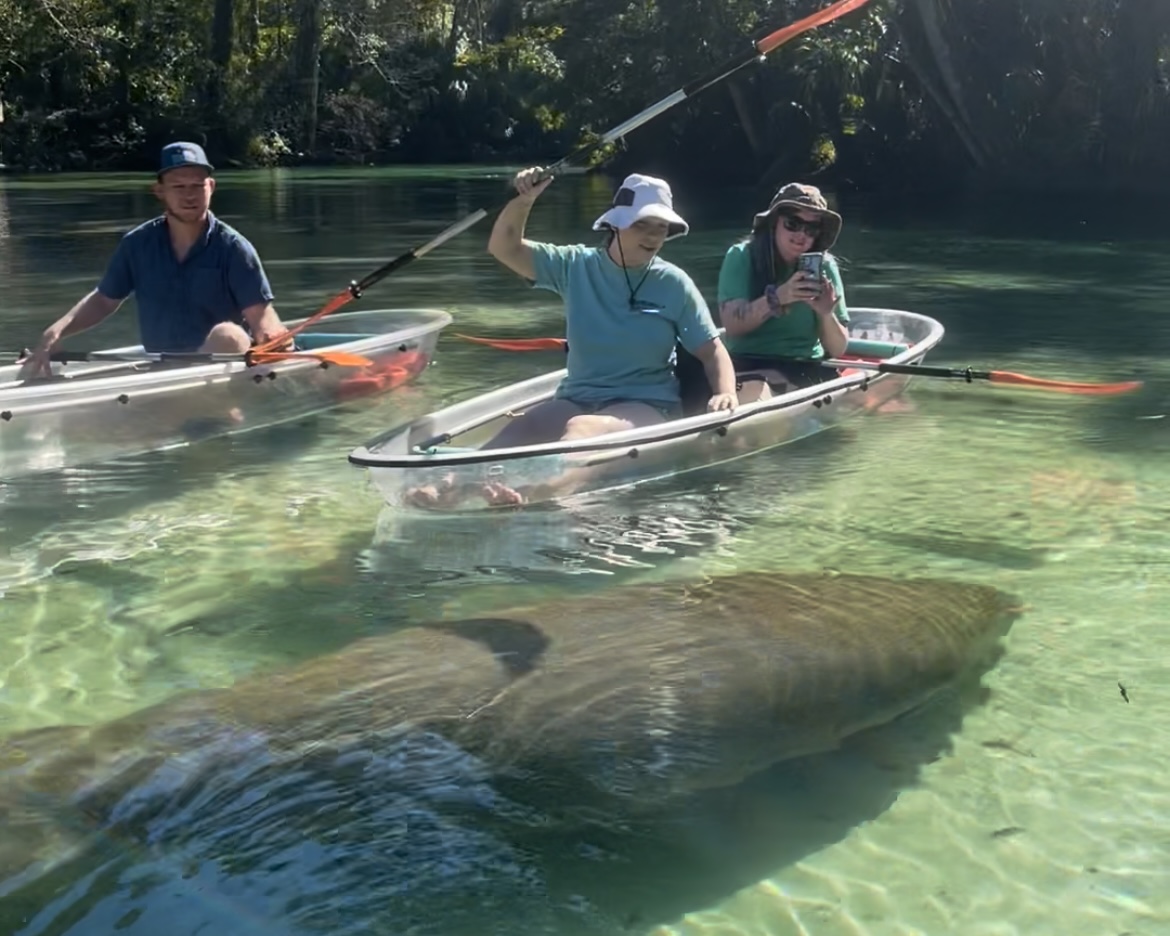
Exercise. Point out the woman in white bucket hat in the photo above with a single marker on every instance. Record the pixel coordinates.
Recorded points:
(625, 311)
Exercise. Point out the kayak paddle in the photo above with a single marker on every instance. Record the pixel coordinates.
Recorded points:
(918, 370)
(519, 344)
(340, 358)
(759, 50)
(1000, 377)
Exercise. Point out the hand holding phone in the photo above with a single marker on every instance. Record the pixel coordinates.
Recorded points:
(810, 264)
(804, 285)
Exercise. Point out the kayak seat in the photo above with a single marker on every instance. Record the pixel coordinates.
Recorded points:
(693, 386)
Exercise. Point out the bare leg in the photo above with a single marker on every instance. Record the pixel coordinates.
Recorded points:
(753, 391)
(545, 422)
(550, 421)
(614, 418)
(226, 338)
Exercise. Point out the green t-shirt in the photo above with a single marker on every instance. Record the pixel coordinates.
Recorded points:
(793, 335)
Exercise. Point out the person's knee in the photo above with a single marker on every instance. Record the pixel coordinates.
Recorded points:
(227, 338)
(587, 424)
(752, 391)
(616, 418)
(545, 422)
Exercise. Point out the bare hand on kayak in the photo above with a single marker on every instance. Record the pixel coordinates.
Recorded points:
(529, 183)
(722, 401)
(37, 363)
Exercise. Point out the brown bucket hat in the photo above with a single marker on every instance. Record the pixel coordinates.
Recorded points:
(808, 198)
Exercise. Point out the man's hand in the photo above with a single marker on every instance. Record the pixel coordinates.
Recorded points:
(286, 341)
(36, 363)
(265, 325)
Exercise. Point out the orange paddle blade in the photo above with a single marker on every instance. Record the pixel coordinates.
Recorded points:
(761, 47)
(282, 339)
(340, 358)
(518, 344)
(827, 15)
(1004, 377)
(1064, 386)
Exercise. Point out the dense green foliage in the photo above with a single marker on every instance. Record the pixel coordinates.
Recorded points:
(1012, 93)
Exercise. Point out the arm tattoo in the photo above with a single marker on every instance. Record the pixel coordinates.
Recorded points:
(734, 308)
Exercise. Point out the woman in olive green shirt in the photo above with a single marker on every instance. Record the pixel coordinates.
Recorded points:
(781, 322)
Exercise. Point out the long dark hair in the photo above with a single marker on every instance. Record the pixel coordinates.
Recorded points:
(762, 251)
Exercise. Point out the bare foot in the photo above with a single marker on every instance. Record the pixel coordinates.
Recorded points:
(443, 493)
(500, 495)
(897, 406)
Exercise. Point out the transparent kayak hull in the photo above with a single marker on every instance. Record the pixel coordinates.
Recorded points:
(439, 452)
(93, 412)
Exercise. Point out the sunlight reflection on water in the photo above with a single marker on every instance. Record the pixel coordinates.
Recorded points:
(1045, 813)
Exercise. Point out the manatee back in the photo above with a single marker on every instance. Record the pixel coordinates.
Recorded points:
(656, 690)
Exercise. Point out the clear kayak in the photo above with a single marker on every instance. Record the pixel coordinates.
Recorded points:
(439, 455)
(92, 412)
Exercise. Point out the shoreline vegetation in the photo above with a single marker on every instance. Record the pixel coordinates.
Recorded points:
(924, 96)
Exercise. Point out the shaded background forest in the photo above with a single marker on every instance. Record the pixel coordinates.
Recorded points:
(1043, 95)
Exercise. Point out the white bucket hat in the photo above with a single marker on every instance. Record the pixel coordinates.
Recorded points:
(643, 196)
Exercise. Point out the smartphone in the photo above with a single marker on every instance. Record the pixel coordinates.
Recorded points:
(811, 263)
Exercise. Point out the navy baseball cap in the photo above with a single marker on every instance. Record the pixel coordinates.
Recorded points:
(177, 155)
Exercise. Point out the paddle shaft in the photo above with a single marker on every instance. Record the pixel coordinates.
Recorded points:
(178, 357)
(999, 377)
(920, 370)
(759, 49)
(76, 357)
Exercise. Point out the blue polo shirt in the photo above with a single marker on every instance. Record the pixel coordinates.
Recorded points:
(179, 303)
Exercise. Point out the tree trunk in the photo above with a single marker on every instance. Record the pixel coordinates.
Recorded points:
(252, 34)
(746, 121)
(1131, 115)
(466, 23)
(306, 65)
(222, 39)
(123, 16)
(932, 64)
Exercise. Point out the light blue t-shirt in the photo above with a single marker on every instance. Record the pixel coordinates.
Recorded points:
(621, 349)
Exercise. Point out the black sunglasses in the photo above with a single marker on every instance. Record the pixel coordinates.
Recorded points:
(793, 223)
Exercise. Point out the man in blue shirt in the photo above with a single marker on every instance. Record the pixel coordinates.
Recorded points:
(198, 283)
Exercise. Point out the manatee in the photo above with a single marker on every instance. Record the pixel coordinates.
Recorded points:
(627, 699)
